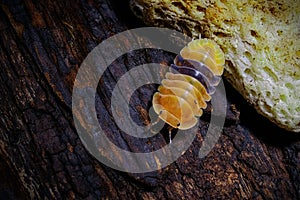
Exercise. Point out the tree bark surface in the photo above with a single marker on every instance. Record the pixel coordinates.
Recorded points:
(42, 45)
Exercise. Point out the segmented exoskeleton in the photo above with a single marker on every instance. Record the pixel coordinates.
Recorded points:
(190, 83)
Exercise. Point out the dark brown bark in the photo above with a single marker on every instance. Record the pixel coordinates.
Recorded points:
(42, 44)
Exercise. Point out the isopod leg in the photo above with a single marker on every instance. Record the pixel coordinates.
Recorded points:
(170, 133)
(153, 125)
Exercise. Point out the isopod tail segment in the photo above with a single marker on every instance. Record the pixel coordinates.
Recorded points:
(189, 84)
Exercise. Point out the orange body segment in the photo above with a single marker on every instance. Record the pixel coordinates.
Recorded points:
(188, 96)
(187, 87)
(192, 81)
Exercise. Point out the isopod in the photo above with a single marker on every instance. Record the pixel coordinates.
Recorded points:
(189, 84)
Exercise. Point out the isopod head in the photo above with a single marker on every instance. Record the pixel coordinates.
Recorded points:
(174, 110)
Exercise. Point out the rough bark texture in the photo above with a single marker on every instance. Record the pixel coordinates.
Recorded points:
(42, 44)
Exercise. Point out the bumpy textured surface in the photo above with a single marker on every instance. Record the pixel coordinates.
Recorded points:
(261, 42)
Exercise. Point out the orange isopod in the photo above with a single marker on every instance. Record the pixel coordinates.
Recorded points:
(190, 83)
